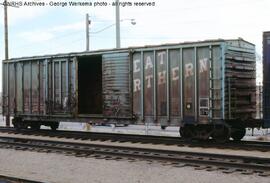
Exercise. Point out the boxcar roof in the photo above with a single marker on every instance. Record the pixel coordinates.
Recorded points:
(114, 50)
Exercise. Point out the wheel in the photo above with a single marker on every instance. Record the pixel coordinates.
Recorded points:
(186, 132)
(202, 132)
(35, 126)
(54, 126)
(238, 133)
(20, 126)
(16, 123)
(163, 127)
(221, 133)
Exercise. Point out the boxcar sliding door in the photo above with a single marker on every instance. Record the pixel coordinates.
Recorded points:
(116, 85)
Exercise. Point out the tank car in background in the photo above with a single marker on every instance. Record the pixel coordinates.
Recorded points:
(207, 88)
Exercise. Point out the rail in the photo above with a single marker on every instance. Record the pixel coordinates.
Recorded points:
(221, 162)
(9, 179)
(147, 139)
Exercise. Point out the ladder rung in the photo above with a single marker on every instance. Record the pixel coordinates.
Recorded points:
(212, 68)
(215, 109)
(215, 98)
(216, 118)
(215, 88)
(215, 78)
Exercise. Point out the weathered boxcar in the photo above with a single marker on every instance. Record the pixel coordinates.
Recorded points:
(208, 88)
(266, 79)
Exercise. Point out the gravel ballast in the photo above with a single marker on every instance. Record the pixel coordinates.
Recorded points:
(69, 169)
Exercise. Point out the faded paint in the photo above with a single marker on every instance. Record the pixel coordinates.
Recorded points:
(164, 84)
(115, 85)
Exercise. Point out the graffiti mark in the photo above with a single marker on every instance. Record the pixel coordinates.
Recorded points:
(112, 106)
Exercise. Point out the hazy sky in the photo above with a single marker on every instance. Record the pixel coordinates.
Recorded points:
(46, 30)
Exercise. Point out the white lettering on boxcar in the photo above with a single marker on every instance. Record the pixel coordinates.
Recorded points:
(175, 74)
(148, 80)
(137, 85)
(149, 63)
(162, 77)
(189, 70)
(162, 56)
(136, 67)
(203, 65)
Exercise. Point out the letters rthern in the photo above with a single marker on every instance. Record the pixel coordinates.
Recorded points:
(161, 79)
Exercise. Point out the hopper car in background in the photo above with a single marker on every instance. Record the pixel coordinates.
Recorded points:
(206, 88)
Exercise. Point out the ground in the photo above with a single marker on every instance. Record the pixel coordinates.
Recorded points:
(57, 168)
(69, 169)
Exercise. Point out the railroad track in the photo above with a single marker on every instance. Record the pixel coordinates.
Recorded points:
(9, 179)
(147, 139)
(200, 161)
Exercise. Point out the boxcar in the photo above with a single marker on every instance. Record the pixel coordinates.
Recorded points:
(207, 88)
(266, 79)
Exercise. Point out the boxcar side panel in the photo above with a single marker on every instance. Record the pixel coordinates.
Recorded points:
(64, 85)
(41, 94)
(216, 87)
(73, 90)
(175, 86)
(203, 83)
(5, 89)
(137, 85)
(35, 87)
(189, 85)
(148, 84)
(151, 82)
(57, 108)
(171, 85)
(12, 85)
(49, 89)
(27, 87)
(19, 84)
(162, 84)
(57, 86)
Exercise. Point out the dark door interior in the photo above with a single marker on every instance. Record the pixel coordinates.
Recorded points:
(90, 85)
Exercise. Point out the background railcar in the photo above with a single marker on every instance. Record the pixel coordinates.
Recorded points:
(266, 79)
(208, 88)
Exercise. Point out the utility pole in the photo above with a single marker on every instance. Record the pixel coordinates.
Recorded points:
(117, 23)
(87, 23)
(6, 29)
(6, 51)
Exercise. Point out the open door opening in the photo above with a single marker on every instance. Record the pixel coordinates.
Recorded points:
(90, 85)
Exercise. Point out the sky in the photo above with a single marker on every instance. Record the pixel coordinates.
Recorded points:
(54, 29)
